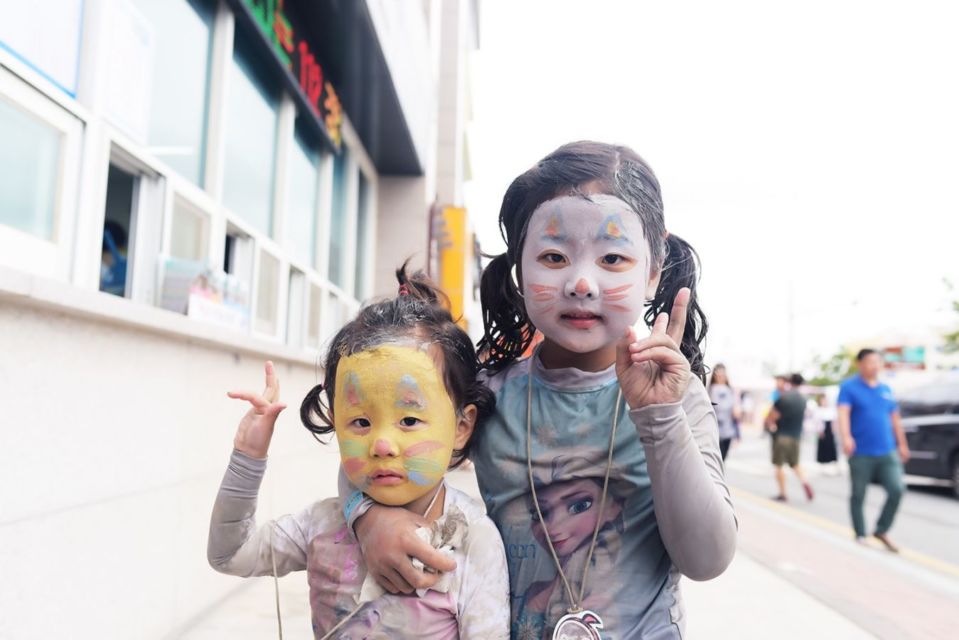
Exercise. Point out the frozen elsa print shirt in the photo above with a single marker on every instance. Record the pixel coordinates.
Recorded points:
(316, 540)
(668, 510)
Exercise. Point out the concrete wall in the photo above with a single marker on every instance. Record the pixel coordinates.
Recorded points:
(401, 230)
(114, 439)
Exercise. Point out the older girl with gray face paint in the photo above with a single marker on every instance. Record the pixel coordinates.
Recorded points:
(587, 249)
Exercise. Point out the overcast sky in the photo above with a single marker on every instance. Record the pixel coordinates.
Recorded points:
(812, 143)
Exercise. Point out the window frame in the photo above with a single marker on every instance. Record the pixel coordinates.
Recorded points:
(22, 250)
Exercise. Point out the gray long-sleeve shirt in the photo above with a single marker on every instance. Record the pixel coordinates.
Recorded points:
(668, 511)
(316, 540)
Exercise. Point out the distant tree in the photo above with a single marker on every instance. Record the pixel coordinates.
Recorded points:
(834, 369)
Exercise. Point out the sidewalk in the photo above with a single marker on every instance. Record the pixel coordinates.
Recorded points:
(748, 601)
(751, 602)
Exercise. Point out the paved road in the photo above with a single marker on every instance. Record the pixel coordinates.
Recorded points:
(928, 518)
(911, 595)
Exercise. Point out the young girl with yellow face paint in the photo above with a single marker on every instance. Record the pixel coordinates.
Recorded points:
(401, 382)
(593, 408)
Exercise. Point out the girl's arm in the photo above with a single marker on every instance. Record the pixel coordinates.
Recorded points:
(483, 603)
(677, 426)
(694, 511)
(235, 546)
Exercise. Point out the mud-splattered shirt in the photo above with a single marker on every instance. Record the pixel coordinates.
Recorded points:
(317, 540)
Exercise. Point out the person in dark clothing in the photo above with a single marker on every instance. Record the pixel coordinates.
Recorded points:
(785, 421)
(826, 451)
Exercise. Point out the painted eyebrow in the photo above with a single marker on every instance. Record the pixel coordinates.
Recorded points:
(611, 230)
(410, 395)
(554, 230)
(555, 237)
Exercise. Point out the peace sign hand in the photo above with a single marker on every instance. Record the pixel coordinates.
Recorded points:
(653, 370)
(256, 428)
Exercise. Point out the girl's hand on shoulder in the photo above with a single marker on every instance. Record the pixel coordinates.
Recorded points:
(653, 370)
(388, 542)
(256, 428)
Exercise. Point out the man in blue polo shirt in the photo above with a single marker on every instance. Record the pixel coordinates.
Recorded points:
(874, 442)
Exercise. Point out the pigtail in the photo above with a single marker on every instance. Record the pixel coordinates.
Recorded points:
(681, 269)
(507, 331)
(313, 405)
(418, 286)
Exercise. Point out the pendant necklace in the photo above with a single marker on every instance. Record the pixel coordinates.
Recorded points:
(578, 622)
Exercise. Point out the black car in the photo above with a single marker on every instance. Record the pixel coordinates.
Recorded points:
(930, 418)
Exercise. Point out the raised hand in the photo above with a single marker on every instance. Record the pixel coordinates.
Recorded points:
(256, 428)
(653, 370)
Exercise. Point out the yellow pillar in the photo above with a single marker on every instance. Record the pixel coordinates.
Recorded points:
(452, 260)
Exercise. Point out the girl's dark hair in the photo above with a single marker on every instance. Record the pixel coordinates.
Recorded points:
(418, 312)
(575, 169)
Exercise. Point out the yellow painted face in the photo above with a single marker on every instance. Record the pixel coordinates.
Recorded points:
(395, 422)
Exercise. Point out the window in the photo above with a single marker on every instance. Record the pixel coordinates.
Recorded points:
(314, 317)
(47, 37)
(363, 213)
(29, 172)
(182, 35)
(339, 218)
(266, 294)
(251, 123)
(189, 232)
(301, 204)
(238, 254)
(118, 222)
(296, 309)
(39, 174)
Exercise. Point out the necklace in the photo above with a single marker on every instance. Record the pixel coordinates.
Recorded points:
(576, 619)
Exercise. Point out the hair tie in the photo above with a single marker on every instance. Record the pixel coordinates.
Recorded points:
(404, 290)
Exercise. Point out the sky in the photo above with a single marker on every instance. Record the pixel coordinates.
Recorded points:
(808, 151)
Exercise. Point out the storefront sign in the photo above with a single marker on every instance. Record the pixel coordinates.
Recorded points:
(294, 53)
(903, 357)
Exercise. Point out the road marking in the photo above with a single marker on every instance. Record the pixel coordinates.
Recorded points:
(844, 531)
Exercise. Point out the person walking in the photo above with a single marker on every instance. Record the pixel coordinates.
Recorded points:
(785, 422)
(723, 397)
(826, 452)
(875, 443)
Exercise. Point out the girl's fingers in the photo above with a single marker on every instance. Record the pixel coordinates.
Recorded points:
(388, 580)
(659, 355)
(660, 340)
(660, 324)
(252, 398)
(623, 348)
(275, 409)
(272, 390)
(677, 317)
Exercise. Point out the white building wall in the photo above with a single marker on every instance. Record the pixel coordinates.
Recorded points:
(402, 229)
(115, 436)
(449, 172)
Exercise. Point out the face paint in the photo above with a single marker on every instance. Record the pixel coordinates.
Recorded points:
(585, 267)
(395, 422)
